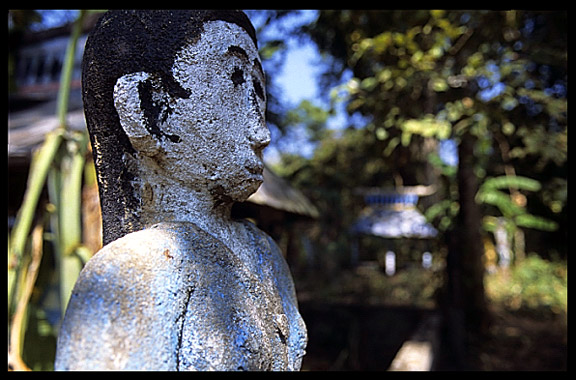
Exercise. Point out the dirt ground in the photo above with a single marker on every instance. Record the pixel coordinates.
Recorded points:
(367, 338)
(356, 336)
(359, 323)
(348, 337)
(517, 342)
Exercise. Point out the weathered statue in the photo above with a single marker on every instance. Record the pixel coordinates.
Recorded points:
(175, 102)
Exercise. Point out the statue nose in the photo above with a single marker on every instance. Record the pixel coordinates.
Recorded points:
(260, 136)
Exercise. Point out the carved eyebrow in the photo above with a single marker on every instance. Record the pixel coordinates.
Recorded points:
(237, 50)
(241, 53)
(259, 67)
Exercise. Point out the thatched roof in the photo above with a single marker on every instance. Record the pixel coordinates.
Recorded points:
(276, 192)
(27, 127)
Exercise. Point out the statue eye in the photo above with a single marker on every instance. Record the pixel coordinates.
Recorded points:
(258, 89)
(237, 76)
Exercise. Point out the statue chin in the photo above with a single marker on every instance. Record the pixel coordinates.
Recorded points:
(239, 190)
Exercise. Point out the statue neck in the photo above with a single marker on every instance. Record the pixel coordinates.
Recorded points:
(166, 200)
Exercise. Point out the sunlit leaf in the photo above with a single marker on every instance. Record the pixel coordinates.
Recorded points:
(536, 222)
(516, 182)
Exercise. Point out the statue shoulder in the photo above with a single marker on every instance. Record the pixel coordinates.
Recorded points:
(161, 245)
(145, 276)
(146, 258)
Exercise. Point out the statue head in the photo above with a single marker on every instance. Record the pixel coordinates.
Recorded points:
(175, 95)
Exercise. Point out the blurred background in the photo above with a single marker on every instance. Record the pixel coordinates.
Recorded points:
(416, 183)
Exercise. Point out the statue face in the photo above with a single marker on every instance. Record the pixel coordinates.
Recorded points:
(221, 126)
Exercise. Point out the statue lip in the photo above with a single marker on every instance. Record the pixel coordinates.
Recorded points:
(255, 167)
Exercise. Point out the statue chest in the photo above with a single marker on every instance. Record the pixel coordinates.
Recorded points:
(234, 312)
(236, 323)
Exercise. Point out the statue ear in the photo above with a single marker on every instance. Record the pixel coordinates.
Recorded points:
(128, 101)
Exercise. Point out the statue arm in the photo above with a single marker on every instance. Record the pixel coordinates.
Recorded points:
(119, 316)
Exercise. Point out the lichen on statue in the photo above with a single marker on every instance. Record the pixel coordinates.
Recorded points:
(175, 105)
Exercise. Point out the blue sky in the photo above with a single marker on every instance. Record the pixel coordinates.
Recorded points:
(297, 78)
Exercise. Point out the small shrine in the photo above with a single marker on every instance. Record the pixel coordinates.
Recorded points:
(404, 234)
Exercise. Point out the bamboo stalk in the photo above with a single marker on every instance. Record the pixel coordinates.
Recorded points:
(68, 69)
(40, 166)
(70, 218)
(38, 171)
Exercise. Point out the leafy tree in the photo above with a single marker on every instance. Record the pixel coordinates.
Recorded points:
(494, 82)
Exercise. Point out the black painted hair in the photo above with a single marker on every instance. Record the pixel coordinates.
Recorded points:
(124, 42)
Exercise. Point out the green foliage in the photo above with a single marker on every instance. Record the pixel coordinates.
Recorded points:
(536, 222)
(490, 193)
(424, 76)
(427, 65)
(420, 77)
(312, 117)
(534, 285)
(540, 143)
(428, 126)
(443, 214)
(507, 182)
(501, 200)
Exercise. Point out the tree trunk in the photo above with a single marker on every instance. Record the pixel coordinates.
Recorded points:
(464, 305)
(469, 240)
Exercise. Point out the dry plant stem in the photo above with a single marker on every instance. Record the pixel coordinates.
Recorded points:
(16, 330)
